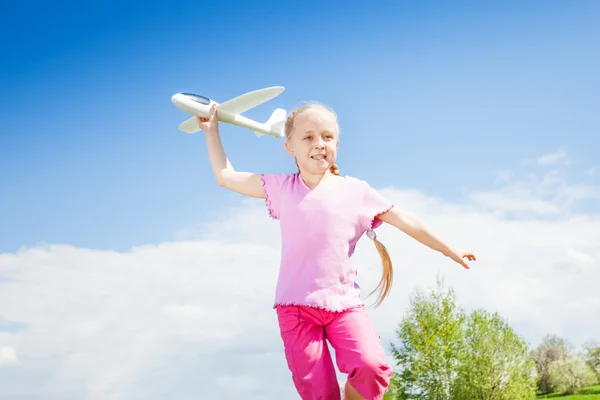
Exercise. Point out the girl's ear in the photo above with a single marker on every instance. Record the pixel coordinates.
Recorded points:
(289, 149)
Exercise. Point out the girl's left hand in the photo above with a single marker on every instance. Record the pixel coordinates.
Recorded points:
(458, 256)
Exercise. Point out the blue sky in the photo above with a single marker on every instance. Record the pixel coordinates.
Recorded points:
(480, 117)
(90, 154)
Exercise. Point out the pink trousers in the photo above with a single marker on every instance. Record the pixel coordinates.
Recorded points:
(357, 347)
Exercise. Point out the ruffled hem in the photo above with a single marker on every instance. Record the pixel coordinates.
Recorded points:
(267, 199)
(375, 223)
(317, 307)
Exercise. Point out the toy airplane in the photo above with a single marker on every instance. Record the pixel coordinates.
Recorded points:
(231, 110)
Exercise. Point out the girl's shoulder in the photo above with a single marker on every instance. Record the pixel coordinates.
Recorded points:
(356, 182)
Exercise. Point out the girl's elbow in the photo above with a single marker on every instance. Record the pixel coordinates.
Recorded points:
(221, 180)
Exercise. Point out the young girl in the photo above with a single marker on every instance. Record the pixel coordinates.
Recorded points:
(322, 216)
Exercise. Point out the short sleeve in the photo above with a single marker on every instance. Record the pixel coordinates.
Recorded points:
(272, 187)
(372, 205)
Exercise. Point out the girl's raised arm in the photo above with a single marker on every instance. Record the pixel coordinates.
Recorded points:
(245, 183)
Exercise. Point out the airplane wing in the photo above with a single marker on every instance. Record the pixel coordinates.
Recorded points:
(189, 125)
(249, 100)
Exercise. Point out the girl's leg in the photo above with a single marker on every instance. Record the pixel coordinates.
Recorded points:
(307, 354)
(359, 354)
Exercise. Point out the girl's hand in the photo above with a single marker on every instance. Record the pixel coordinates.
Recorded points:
(210, 124)
(458, 256)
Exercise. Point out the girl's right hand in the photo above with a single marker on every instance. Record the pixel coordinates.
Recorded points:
(210, 124)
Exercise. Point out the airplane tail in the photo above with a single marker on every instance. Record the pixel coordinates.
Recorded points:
(276, 121)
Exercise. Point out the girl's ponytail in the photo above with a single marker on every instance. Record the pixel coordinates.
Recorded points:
(387, 275)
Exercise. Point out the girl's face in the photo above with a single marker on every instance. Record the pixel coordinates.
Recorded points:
(314, 140)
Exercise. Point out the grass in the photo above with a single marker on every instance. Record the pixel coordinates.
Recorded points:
(587, 393)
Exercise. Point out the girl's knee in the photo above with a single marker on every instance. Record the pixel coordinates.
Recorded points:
(373, 367)
(370, 377)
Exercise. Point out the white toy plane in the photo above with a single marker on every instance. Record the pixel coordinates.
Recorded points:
(231, 110)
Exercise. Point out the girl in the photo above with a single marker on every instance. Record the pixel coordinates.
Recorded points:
(322, 216)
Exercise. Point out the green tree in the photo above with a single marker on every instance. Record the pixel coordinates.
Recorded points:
(430, 344)
(443, 354)
(591, 355)
(553, 348)
(393, 392)
(496, 363)
(568, 375)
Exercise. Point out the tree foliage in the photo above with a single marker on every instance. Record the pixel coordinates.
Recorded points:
(591, 355)
(445, 354)
(496, 364)
(552, 348)
(430, 346)
(566, 375)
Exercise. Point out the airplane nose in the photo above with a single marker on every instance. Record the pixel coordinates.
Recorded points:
(176, 99)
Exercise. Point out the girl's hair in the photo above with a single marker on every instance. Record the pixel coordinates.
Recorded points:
(387, 276)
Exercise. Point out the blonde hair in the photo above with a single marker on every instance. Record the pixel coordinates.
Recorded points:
(385, 283)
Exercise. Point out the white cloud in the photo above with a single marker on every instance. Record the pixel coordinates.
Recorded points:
(526, 194)
(8, 355)
(552, 158)
(193, 318)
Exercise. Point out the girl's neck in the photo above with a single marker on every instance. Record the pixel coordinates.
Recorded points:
(313, 180)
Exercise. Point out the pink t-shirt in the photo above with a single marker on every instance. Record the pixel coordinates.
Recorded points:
(320, 229)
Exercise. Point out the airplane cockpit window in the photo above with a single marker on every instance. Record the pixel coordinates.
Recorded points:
(197, 98)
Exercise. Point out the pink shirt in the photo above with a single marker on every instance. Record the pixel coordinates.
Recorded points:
(319, 230)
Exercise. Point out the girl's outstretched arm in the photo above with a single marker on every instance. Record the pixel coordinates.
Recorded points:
(414, 227)
(245, 183)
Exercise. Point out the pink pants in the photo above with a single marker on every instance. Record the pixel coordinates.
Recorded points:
(357, 346)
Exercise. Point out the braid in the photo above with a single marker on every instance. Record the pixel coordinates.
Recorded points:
(334, 169)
